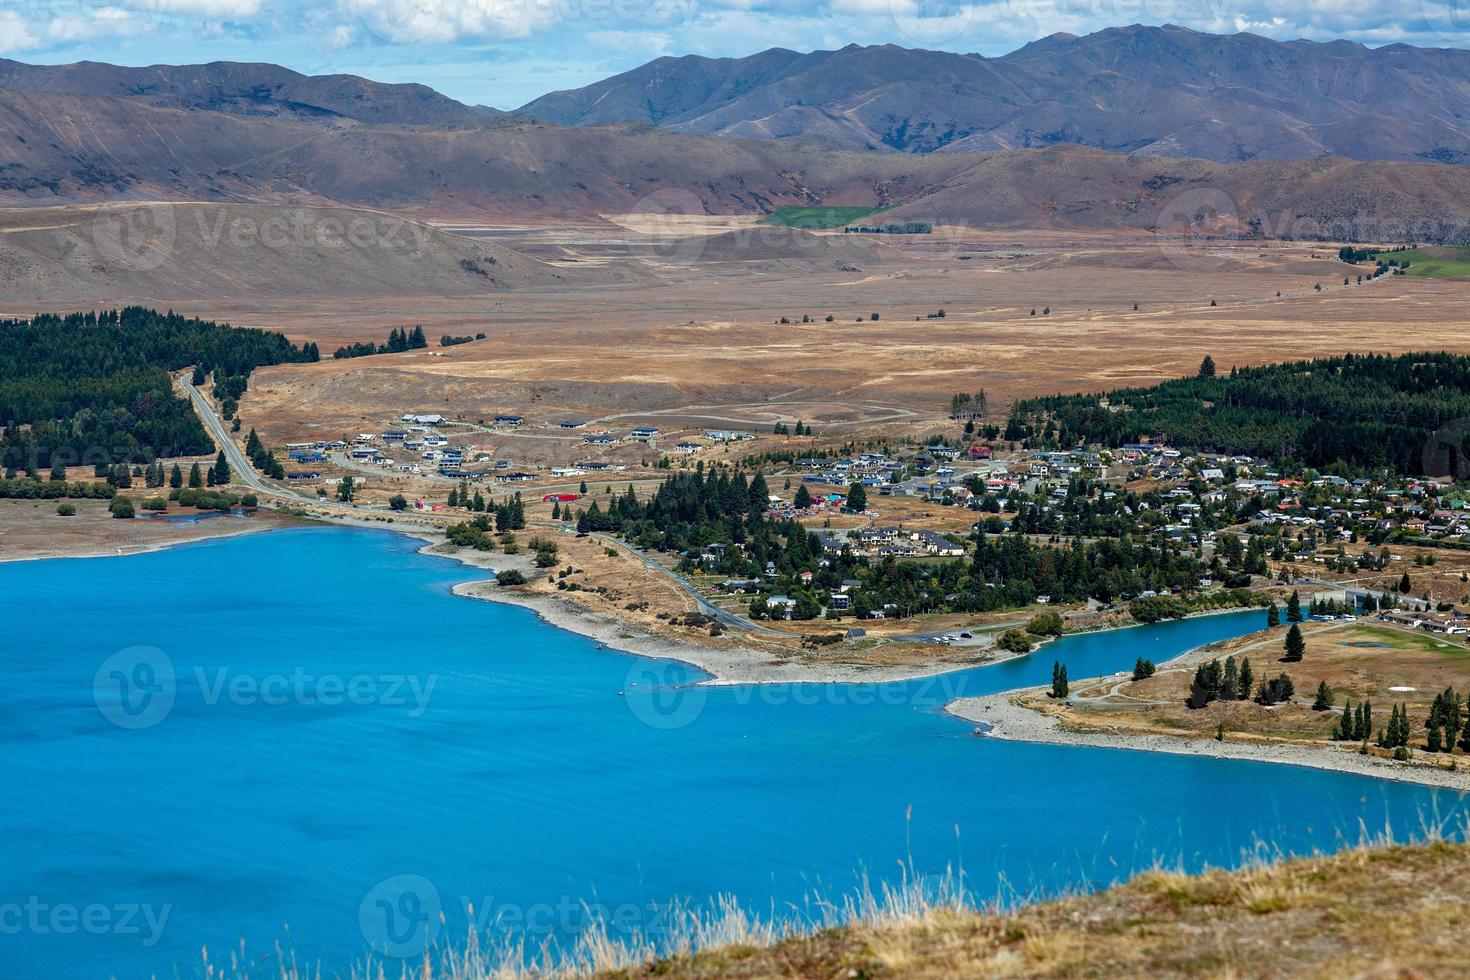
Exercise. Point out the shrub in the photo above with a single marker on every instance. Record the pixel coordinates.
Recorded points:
(1014, 641)
(66, 510)
(121, 508)
(509, 577)
(1046, 623)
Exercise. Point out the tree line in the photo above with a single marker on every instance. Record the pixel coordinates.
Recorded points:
(90, 388)
(1362, 411)
(400, 339)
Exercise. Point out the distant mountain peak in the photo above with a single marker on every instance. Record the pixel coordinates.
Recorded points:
(250, 89)
(1163, 90)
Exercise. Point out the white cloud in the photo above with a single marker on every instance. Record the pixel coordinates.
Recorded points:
(446, 21)
(15, 33)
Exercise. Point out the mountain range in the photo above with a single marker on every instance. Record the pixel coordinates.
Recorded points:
(259, 134)
(243, 89)
(1161, 91)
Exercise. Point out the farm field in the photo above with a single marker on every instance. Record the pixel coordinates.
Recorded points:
(793, 216)
(1436, 262)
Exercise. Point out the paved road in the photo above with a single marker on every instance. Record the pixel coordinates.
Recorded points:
(723, 617)
(240, 466)
(241, 470)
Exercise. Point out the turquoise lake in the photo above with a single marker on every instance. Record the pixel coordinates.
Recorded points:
(346, 749)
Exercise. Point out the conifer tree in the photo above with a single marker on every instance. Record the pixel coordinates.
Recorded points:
(176, 478)
(1324, 697)
(1229, 683)
(1059, 686)
(1294, 608)
(1295, 645)
(196, 477)
(1273, 616)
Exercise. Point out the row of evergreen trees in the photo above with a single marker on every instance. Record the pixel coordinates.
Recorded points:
(1216, 682)
(261, 457)
(400, 339)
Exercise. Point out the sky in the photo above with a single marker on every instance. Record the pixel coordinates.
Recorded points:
(504, 53)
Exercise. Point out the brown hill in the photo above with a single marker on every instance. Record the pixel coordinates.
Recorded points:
(1070, 187)
(1165, 91)
(251, 90)
(64, 149)
(58, 148)
(194, 251)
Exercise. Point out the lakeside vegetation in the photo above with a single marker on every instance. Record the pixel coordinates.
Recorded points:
(95, 388)
(1339, 414)
(716, 522)
(1385, 690)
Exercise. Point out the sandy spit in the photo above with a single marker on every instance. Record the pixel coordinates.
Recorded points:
(1001, 717)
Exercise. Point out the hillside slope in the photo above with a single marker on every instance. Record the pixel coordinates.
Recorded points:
(1166, 91)
(251, 90)
(1389, 912)
(59, 148)
(213, 251)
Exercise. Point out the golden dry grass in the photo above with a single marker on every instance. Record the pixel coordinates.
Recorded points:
(1391, 912)
(1359, 662)
(704, 343)
(33, 529)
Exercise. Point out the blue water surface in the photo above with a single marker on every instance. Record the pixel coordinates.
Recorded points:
(348, 751)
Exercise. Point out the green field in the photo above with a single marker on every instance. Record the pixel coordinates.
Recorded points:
(1397, 639)
(793, 216)
(1440, 262)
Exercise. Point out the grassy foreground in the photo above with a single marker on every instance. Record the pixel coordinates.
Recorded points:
(1376, 911)
(1380, 912)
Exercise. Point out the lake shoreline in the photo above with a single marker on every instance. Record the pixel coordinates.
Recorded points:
(738, 666)
(997, 714)
(1002, 717)
(150, 547)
